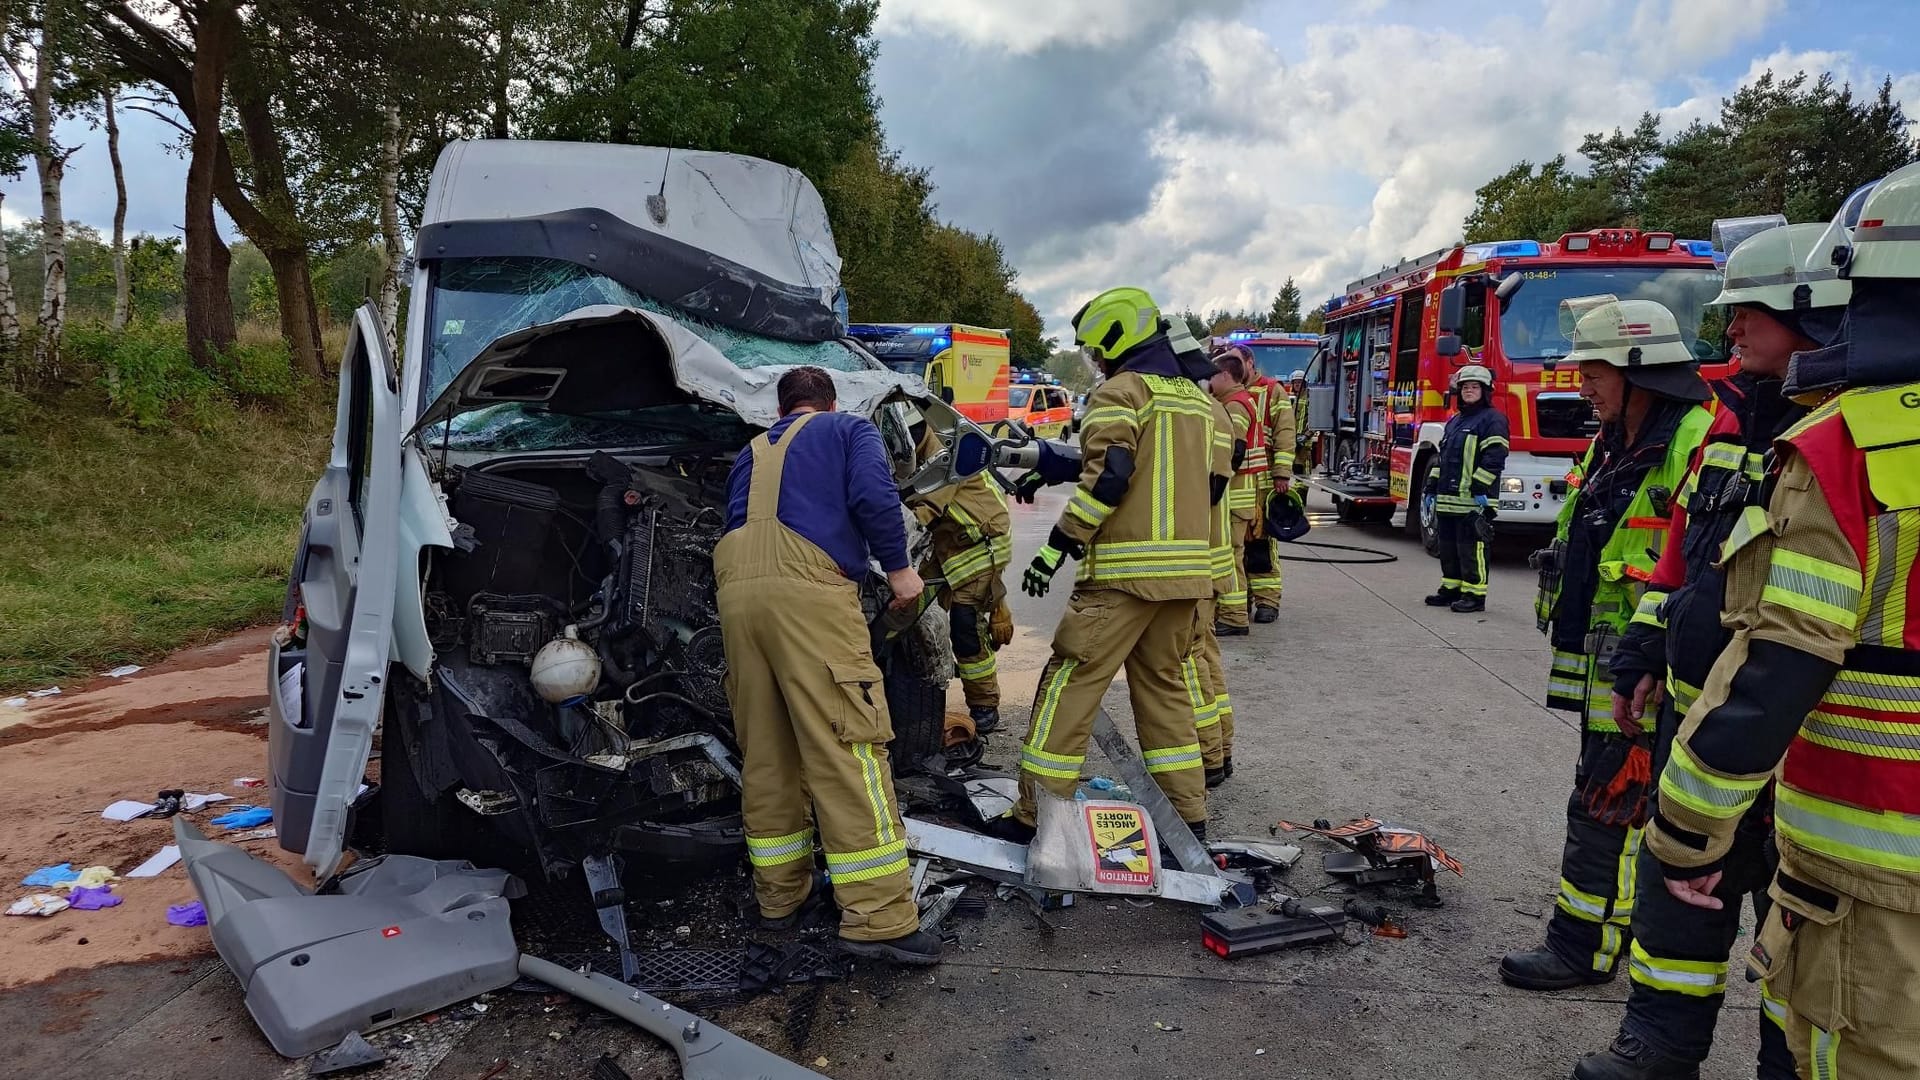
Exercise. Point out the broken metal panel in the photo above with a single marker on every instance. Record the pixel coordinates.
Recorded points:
(706, 1051)
(1186, 848)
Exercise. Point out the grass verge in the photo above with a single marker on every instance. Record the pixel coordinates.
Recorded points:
(119, 544)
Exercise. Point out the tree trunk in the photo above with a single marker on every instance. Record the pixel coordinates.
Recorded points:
(504, 29)
(393, 246)
(209, 303)
(299, 314)
(53, 222)
(122, 287)
(275, 227)
(9, 308)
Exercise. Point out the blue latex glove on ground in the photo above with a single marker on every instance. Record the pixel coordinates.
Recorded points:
(245, 817)
(48, 876)
(1480, 501)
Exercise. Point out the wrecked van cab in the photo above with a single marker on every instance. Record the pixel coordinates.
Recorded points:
(505, 569)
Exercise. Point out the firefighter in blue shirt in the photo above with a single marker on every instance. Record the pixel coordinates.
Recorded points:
(1461, 487)
(807, 502)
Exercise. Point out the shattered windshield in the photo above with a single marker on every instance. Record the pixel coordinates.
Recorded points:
(474, 301)
(513, 425)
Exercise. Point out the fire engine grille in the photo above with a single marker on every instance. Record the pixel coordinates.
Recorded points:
(1566, 416)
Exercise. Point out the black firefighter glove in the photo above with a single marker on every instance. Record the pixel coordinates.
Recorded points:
(1640, 652)
(1046, 563)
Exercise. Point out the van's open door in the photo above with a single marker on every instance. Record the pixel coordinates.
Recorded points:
(325, 692)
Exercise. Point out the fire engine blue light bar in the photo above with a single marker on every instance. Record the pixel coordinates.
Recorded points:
(1698, 248)
(1504, 249)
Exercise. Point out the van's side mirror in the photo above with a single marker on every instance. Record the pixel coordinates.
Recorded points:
(1447, 345)
(1453, 308)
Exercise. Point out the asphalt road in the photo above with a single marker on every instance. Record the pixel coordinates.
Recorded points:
(1359, 701)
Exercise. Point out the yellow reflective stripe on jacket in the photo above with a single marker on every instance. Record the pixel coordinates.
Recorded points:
(873, 862)
(775, 850)
(1695, 978)
(1774, 1008)
(1110, 414)
(1690, 784)
(1753, 522)
(1648, 611)
(1882, 838)
(967, 522)
(1684, 693)
(1087, 508)
(1828, 591)
(1893, 545)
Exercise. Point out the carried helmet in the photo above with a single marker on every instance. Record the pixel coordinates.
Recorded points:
(1640, 337)
(1885, 243)
(1772, 269)
(1287, 515)
(1115, 321)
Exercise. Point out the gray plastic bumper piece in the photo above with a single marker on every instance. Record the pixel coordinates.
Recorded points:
(707, 1051)
(403, 936)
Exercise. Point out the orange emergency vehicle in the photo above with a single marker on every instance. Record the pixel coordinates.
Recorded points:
(1042, 404)
(968, 367)
(1377, 389)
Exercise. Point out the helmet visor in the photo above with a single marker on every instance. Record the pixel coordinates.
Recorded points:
(1834, 249)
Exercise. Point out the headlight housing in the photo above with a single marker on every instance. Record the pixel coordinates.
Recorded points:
(1512, 485)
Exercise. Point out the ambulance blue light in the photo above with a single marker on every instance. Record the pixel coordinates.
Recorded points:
(924, 331)
(941, 343)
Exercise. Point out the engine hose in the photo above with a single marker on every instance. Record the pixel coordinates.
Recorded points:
(1377, 555)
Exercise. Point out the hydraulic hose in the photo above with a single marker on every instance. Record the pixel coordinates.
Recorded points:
(1377, 556)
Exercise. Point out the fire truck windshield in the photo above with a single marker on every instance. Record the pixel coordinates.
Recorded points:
(1530, 325)
(1281, 361)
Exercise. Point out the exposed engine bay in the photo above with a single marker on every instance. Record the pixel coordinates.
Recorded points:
(580, 667)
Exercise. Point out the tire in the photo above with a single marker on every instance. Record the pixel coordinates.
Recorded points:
(918, 669)
(1420, 523)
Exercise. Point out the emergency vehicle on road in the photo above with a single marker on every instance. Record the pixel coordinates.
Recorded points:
(1277, 353)
(1040, 402)
(968, 367)
(1377, 390)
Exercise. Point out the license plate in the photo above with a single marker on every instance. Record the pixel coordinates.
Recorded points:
(1513, 504)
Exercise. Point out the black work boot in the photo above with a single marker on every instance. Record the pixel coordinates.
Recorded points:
(917, 948)
(820, 895)
(1443, 598)
(1226, 765)
(986, 718)
(1469, 604)
(1011, 829)
(1223, 630)
(1630, 1059)
(1265, 613)
(1216, 777)
(1542, 969)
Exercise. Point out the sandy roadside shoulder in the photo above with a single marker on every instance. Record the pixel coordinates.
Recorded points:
(194, 721)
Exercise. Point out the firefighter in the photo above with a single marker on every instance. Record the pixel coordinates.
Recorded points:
(1678, 956)
(1139, 523)
(1460, 487)
(807, 503)
(1206, 673)
(1818, 686)
(1297, 384)
(972, 545)
(1231, 619)
(1638, 373)
(1275, 412)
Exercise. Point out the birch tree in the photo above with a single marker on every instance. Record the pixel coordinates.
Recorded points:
(50, 161)
(122, 285)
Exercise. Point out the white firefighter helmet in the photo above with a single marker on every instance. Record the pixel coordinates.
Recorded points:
(1885, 241)
(1298, 375)
(1771, 269)
(1642, 338)
(1473, 373)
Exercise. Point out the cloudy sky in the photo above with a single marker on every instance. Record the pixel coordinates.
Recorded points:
(1208, 149)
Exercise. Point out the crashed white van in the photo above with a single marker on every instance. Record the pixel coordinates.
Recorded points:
(506, 565)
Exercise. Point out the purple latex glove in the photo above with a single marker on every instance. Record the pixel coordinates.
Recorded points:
(92, 898)
(187, 914)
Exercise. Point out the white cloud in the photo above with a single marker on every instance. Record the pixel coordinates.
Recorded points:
(1028, 26)
(1321, 148)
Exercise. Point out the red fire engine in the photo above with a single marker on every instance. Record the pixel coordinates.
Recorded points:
(1377, 394)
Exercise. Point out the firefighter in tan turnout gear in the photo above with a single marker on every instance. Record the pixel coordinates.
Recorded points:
(807, 502)
(1819, 690)
(972, 545)
(1139, 524)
